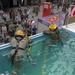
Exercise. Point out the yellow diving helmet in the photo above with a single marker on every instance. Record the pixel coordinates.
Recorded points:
(20, 33)
(52, 26)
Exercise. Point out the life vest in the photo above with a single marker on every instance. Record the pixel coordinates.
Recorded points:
(22, 44)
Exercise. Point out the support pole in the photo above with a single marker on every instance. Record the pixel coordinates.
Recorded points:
(67, 22)
(37, 25)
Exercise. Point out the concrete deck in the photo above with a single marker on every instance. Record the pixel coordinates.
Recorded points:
(70, 27)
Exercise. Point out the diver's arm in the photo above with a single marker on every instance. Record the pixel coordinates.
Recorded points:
(47, 32)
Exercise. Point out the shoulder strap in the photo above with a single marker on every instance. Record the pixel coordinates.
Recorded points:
(13, 56)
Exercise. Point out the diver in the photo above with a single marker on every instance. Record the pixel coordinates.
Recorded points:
(53, 32)
(19, 43)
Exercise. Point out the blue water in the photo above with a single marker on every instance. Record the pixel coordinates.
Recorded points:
(50, 60)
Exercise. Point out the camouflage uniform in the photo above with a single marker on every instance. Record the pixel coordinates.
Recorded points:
(54, 35)
(19, 56)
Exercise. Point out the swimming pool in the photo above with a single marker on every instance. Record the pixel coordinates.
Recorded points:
(51, 60)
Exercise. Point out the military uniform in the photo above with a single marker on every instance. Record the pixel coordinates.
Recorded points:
(53, 32)
(19, 55)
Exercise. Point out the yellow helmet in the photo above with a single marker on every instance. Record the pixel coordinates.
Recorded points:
(52, 26)
(20, 33)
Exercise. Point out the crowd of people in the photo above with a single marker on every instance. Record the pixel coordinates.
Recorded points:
(19, 19)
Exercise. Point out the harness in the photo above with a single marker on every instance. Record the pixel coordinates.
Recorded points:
(18, 48)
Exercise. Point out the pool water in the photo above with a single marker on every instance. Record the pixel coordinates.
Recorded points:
(56, 59)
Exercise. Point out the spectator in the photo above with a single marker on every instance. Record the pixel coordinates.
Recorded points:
(11, 25)
(58, 6)
(64, 9)
(1, 12)
(29, 31)
(23, 24)
(4, 29)
(32, 17)
(32, 23)
(39, 6)
(29, 21)
(25, 11)
(28, 12)
(6, 39)
(16, 18)
(4, 16)
(36, 11)
(22, 16)
(34, 29)
(7, 26)
(11, 32)
(14, 14)
(10, 13)
(20, 11)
